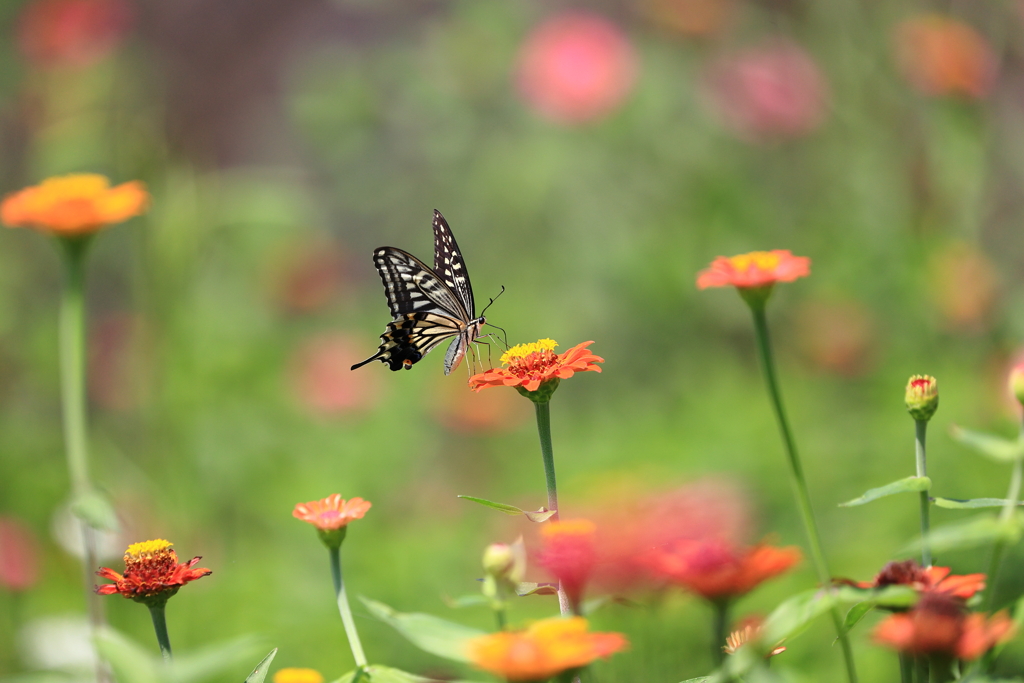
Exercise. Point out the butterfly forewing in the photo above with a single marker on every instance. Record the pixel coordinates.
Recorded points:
(448, 264)
(412, 287)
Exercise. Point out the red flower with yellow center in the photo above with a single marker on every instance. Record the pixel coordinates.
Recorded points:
(331, 513)
(756, 269)
(74, 205)
(569, 554)
(940, 626)
(531, 365)
(717, 570)
(543, 650)
(925, 579)
(152, 573)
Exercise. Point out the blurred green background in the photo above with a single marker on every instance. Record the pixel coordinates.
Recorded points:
(591, 158)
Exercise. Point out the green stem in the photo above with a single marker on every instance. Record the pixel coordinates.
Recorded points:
(1012, 496)
(941, 671)
(547, 453)
(921, 670)
(803, 497)
(719, 628)
(345, 610)
(906, 668)
(160, 626)
(921, 430)
(499, 606)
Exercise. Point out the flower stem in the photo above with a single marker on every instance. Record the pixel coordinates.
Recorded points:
(547, 453)
(803, 498)
(718, 631)
(1012, 496)
(921, 665)
(160, 626)
(921, 430)
(345, 610)
(906, 668)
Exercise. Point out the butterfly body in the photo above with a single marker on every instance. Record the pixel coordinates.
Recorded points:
(428, 305)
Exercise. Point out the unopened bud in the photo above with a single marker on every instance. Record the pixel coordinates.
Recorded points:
(499, 560)
(1016, 382)
(922, 397)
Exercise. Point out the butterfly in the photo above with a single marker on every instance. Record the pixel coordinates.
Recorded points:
(428, 305)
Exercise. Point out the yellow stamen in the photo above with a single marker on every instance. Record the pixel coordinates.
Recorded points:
(524, 350)
(759, 260)
(147, 548)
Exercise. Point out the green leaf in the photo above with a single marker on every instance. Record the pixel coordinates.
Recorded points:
(260, 672)
(793, 615)
(856, 613)
(220, 658)
(427, 632)
(530, 588)
(472, 600)
(541, 515)
(701, 679)
(971, 533)
(958, 504)
(130, 662)
(994, 447)
(908, 485)
(93, 508)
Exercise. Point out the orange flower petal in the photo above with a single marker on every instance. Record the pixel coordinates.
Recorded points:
(75, 204)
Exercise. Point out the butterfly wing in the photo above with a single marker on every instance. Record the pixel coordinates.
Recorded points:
(449, 265)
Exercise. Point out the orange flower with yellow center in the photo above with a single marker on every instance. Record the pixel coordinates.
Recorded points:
(331, 513)
(528, 366)
(756, 269)
(152, 573)
(545, 649)
(74, 205)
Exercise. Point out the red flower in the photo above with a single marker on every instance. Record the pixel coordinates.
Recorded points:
(569, 553)
(72, 32)
(939, 625)
(531, 365)
(19, 555)
(331, 513)
(545, 649)
(716, 569)
(925, 579)
(152, 573)
(756, 269)
(575, 67)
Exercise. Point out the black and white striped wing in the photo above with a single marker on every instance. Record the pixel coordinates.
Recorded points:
(449, 265)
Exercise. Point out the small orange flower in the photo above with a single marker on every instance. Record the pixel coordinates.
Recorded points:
(152, 573)
(531, 365)
(748, 630)
(940, 625)
(298, 675)
(570, 555)
(73, 205)
(925, 579)
(756, 269)
(546, 648)
(717, 570)
(943, 56)
(331, 513)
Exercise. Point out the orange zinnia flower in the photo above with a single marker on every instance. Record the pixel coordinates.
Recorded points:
(756, 269)
(943, 56)
(939, 625)
(925, 579)
(546, 648)
(748, 630)
(331, 513)
(74, 205)
(716, 570)
(152, 573)
(531, 365)
(569, 554)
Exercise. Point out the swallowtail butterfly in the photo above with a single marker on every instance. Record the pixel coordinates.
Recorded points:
(427, 305)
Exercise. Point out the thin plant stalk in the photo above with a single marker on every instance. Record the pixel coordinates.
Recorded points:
(921, 430)
(906, 668)
(160, 626)
(719, 627)
(803, 497)
(921, 667)
(346, 611)
(1012, 496)
(547, 453)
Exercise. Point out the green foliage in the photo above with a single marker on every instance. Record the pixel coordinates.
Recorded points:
(541, 515)
(907, 485)
(993, 447)
(427, 632)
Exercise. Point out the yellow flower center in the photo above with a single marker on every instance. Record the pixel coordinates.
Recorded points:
(758, 260)
(523, 350)
(297, 675)
(572, 527)
(138, 551)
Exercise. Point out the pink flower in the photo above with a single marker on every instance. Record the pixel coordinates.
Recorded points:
(19, 555)
(73, 33)
(575, 67)
(322, 381)
(771, 91)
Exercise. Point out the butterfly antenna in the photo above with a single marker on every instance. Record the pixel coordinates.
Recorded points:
(492, 301)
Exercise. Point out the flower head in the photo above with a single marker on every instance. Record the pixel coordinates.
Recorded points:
(747, 631)
(939, 625)
(535, 369)
(922, 397)
(152, 573)
(570, 554)
(546, 648)
(926, 579)
(298, 675)
(19, 555)
(941, 56)
(75, 33)
(716, 569)
(74, 205)
(331, 516)
(754, 270)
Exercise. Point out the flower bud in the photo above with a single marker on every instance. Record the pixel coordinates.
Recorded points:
(922, 397)
(1016, 382)
(498, 559)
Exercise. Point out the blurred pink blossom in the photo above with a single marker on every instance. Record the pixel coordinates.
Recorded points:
(310, 276)
(770, 91)
(575, 67)
(74, 33)
(118, 368)
(322, 380)
(19, 555)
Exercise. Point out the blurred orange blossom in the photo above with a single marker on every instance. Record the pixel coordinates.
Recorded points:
(152, 573)
(74, 205)
(940, 55)
(546, 648)
(925, 579)
(755, 269)
(530, 365)
(569, 554)
(716, 569)
(332, 512)
(940, 625)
